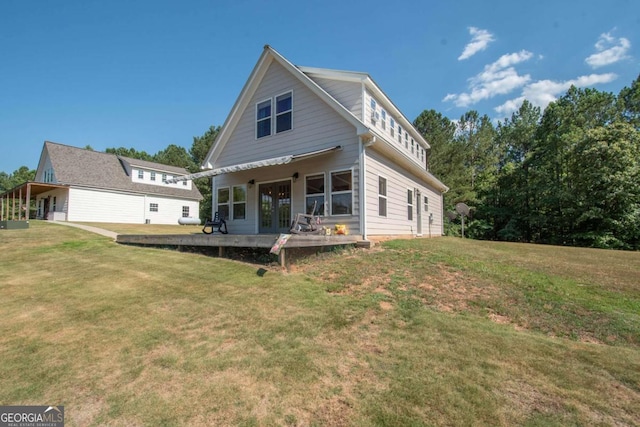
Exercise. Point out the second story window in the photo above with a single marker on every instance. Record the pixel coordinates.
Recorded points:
(400, 134)
(392, 126)
(140, 174)
(153, 176)
(383, 122)
(284, 108)
(263, 119)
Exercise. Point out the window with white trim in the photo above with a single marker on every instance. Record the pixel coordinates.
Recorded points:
(382, 196)
(223, 202)
(164, 177)
(383, 120)
(153, 207)
(412, 146)
(410, 205)
(284, 112)
(140, 174)
(374, 111)
(185, 212)
(239, 201)
(314, 194)
(426, 203)
(263, 119)
(341, 193)
(153, 176)
(392, 126)
(400, 134)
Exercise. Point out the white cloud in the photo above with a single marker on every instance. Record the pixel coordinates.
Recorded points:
(543, 92)
(497, 78)
(480, 39)
(609, 50)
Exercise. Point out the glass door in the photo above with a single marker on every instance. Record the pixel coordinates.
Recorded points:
(275, 207)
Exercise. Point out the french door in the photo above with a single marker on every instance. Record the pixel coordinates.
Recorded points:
(275, 207)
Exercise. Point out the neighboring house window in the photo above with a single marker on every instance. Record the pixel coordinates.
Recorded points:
(426, 204)
(153, 207)
(382, 196)
(53, 206)
(239, 202)
(263, 119)
(164, 177)
(185, 212)
(284, 109)
(410, 205)
(314, 193)
(140, 174)
(223, 202)
(341, 193)
(383, 122)
(392, 126)
(184, 183)
(153, 176)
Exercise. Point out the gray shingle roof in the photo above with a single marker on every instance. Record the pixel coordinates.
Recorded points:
(87, 168)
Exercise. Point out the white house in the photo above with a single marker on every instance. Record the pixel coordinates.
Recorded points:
(74, 184)
(298, 136)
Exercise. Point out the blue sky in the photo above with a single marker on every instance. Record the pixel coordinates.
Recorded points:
(146, 74)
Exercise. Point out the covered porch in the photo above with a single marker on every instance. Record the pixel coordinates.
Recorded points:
(15, 204)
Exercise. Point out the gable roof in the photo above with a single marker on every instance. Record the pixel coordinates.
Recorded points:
(268, 56)
(79, 167)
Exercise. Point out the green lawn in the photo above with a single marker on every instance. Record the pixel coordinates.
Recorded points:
(416, 332)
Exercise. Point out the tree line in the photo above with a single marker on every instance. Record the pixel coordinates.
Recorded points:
(568, 176)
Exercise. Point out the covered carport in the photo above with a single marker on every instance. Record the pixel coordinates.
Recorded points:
(15, 204)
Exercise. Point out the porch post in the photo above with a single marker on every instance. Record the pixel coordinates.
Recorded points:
(20, 204)
(28, 211)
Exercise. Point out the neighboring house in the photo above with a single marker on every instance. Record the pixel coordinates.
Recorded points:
(75, 184)
(298, 136)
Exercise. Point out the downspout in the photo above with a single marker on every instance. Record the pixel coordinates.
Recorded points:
(363, 183)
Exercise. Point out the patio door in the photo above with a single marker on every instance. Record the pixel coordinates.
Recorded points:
(275, 207)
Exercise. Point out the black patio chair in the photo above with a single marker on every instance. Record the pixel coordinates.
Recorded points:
(216, 224)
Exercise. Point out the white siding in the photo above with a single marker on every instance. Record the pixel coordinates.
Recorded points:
(315, 126)
(87, 205)
(349, 94)
(398, 182)
(408, 146)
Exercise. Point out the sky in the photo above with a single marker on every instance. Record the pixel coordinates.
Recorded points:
(145, 74)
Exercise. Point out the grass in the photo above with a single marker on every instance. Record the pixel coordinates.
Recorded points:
(416, 332)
